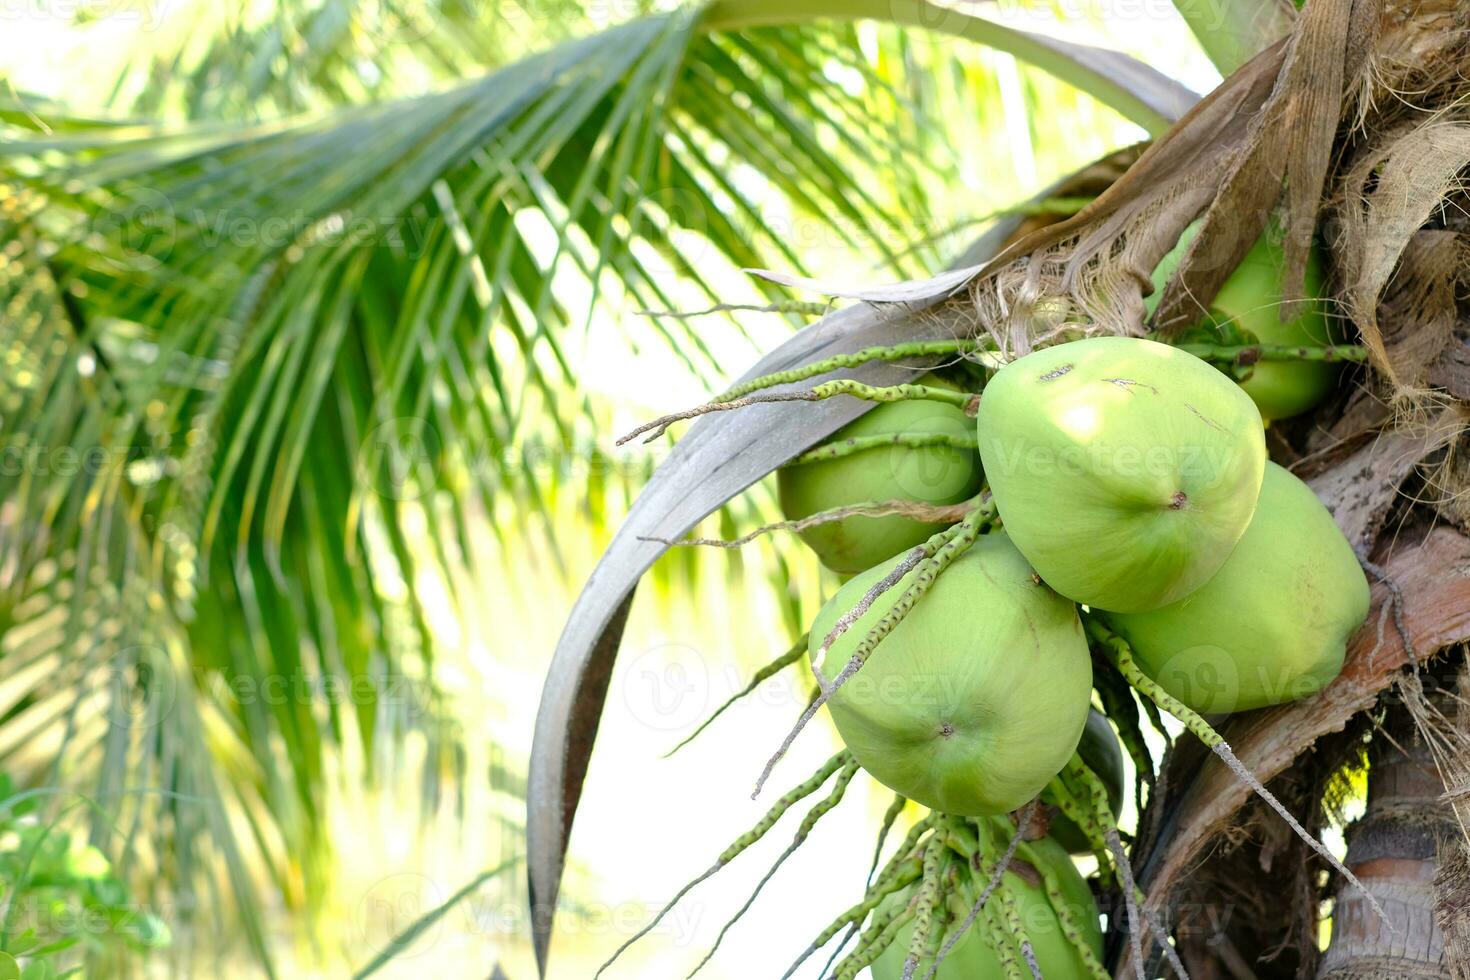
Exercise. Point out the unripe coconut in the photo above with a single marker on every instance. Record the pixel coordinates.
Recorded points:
(929, 474)
(974, 958)
(1099, 748)
(1125, 470)
(978, 697)
(1249, 303)
(1273, 624)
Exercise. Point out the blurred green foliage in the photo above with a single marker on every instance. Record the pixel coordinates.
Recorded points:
(63, 905)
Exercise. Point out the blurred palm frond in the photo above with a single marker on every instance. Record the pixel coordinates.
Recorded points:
(264, 379)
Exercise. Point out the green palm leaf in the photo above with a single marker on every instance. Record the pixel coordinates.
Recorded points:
(288, 346)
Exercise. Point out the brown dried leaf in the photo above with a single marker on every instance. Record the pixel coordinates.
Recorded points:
(1360, 490)
(1389, 195)
(1452, 907)
(1418, 315)
(1290, 142)
(1451, 370)
(1173, 180)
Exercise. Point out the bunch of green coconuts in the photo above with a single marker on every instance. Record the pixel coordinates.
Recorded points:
(1123, 498)
(1001, 530)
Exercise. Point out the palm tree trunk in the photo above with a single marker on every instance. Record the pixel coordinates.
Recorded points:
(1393, 850)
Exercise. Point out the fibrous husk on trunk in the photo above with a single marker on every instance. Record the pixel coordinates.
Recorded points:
(1388, 194)
(1394, 848)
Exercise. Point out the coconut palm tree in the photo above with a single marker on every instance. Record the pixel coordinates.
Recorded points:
(307, 287)
(1311, 125)
(270, 327)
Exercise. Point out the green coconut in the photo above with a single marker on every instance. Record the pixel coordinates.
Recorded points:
(974, 956)
(978, 697)
(928, 474)
(1099, 748)
(1272, 626)
(1125, 470)
(1247, 309)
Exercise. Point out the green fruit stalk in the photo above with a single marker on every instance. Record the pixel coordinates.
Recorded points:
(1099, 748)
(1249, 303)
(977, 698)
(974, 956)
(1272, 626)
(1125, 470)
(928, 474)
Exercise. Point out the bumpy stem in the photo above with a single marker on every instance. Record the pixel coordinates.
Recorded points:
(1121, 709)
(770, 670)
(1010, 918)
(1080, 812)
(1122, 655)
(1248, 354)
(1066, 915)
(890, 816)
(803, 830)
(955, 541)
(925, 907)
(1000, 938)
(915, 557)
(825, 390)
(1097, 795)
(905, 866)
(875, 939)
(784, 306)
(925, 575)
(910, 871)
(908, 440)
(969, 845)
(917, 509)
(942, 916)
(897, 352)
(745, 840)
(1130, 903)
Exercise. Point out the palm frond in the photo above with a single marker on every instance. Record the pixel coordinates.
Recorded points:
(305, 358)
(1233, 33)
(261, 61)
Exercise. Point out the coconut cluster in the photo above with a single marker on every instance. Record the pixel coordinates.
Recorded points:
(998, 530)
(1001, 529)
(976, 956)
(1131, 485)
